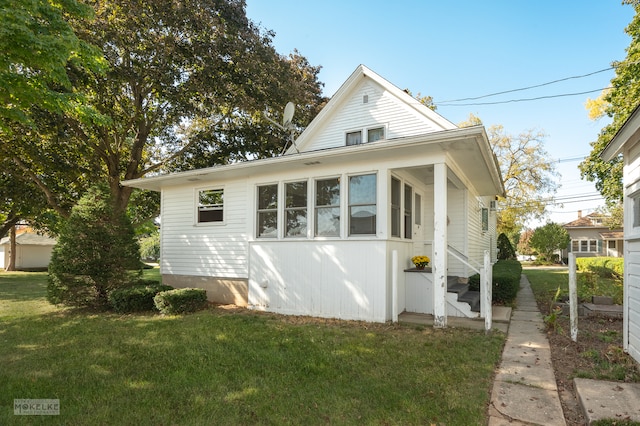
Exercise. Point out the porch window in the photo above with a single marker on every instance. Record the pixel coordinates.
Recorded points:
(327, 208)
(362, 205)
(267, 211)
(210, 205)
(408, 211)
(395, 207)
(295, 194)
(418, 209)
(485, 219)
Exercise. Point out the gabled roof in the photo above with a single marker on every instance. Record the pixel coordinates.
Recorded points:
(586, 221)
(345, 91)
(28, 238)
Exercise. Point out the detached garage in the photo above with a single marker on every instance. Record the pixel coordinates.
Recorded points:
(627, 143)
(33, 251)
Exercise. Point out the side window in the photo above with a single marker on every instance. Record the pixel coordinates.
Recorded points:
(295, 195)
(395, 207)
(408, 211)
(418, 213)
(267, 211)
(327, 208)
(210, 205)
(485, 219)
(362, 205)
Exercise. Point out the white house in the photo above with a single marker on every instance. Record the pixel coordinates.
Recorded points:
(314, 232)
(627, 143)
(33, 251)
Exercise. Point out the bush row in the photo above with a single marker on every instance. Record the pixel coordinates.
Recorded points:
(181, 301)
(151, 295)
(605, 267)
(506, 281)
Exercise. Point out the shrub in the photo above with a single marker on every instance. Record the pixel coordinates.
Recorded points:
(181, 301)
(136, 298)
(96, 253)
(605, 267)
(505, 249)
(506, 281)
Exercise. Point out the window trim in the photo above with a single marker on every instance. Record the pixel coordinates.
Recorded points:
(197, 192)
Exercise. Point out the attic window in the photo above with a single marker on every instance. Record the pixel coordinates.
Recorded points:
(365, 99)
(375, 134)
(354, 138)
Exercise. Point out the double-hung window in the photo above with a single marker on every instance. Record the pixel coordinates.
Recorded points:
(396, 199)
(210, 205)
(327, 207)
(362, 205)
(267, 211)
(295, 194)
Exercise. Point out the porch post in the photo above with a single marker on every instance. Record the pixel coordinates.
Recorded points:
(439, 261)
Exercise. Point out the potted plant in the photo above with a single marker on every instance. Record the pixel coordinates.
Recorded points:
(420, 261)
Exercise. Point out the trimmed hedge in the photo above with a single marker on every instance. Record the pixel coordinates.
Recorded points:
(136, 298)
(506, 281)
(181, 301)
(605, 267)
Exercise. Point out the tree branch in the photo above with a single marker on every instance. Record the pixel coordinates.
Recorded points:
(51, 199)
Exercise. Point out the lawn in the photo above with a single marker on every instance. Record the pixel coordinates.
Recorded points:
(234, 367)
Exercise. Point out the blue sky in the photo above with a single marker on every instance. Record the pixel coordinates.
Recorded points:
(453, 50)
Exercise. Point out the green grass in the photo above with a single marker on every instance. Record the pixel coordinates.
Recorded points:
(234, 367)
(545, 282)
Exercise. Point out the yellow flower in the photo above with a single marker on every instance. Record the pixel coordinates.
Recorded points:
(420, 260)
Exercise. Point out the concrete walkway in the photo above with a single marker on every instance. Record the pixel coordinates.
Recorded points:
(524, 390)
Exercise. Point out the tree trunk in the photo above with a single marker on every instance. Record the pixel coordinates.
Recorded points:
(12, 249)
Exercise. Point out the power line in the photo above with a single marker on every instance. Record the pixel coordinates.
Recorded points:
(524, 99)
(529, 87)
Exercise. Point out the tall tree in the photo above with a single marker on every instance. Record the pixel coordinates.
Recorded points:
(529, 176)
(186, 86)
(548, 239)
(37, 43)
(618, 103)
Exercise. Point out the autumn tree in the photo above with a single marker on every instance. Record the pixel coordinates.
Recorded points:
(528, 175)
(524, 243)
(617, 103)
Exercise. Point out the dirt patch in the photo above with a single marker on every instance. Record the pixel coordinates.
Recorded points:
(597, 354)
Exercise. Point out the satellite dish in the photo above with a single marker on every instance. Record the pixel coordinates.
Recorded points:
(289, 109)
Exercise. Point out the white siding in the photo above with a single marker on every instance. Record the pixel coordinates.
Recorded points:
(631, 253)
(212, 249)
(382, 108)
(333, 279)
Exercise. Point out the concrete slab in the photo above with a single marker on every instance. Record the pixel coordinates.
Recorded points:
(608, 400)
(527, 404)
(527, 374)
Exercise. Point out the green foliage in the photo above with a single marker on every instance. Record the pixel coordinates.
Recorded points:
(621, 100)
(605, 267)
(548, 239)
(505, 249)
(180, 301)
(150, 246)
(37, 43)
(506, 281)
(96, 253)
(136, 298)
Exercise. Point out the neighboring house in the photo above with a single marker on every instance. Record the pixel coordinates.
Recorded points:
(314, 232)
(627, 143)
(590, 237)
(33, 251)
